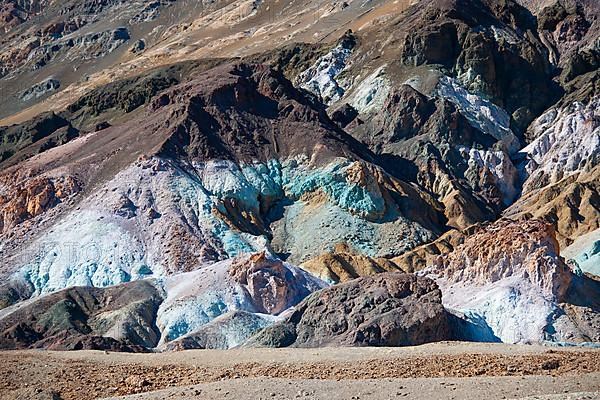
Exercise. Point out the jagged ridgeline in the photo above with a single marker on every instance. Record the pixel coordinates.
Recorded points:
(209, 174)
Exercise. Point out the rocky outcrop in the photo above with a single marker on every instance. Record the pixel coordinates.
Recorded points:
(120, 318)
(29, 198)
(249, 283)
(508, 278)
(526, 249)
(320, 78)
(343, 264)
(424, 256)
(34, 136)
(268, 283)
(571, 204)
(463, 160)
(40, 89)
(563, 141)
(388, 309)
(239, 109)
(224, 332)
(491, 47)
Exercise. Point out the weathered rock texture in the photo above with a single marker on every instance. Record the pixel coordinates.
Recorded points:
(219, 306)
(144, 145)
(509, 280)
(528, 250)
(119, 318)
(343, 264)
(388, 309)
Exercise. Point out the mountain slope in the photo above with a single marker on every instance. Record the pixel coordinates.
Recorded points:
(194, 152)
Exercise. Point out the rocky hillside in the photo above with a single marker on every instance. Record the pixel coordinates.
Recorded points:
(209, 174)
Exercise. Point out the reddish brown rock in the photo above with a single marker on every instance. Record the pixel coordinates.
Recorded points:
(32, 197)
(267, 282)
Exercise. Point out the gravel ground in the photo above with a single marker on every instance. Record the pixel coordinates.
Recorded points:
(489, 388)
(441, 370)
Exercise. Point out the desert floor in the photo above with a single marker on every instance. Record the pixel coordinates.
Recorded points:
(435, 371)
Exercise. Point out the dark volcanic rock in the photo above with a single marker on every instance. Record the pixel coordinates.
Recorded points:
(492, 45)
(247, 112)
(128, 94)
(427, 136)
(404, 113)
(388, 309)
(344, 115)
(34, 136)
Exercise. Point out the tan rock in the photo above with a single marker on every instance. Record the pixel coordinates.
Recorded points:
(343, 264)
(425, 255)
(572, 205)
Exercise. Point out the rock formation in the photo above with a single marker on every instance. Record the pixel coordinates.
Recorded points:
(343, 264)
(387, 309)
(508, 276)
(219, 306)
(227, 159)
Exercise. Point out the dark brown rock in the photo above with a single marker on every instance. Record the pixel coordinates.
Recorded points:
(388, 309)
(246, 112)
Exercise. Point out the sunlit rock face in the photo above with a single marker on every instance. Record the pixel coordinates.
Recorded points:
(564, 140)
(343, 263)
(509, 280)
(155, 219)
(387, 309)
(321, 77)
(196, 156)
(257, 284)
(205, 195)
(219, 306)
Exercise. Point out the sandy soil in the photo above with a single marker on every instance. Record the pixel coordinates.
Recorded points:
(441, 370)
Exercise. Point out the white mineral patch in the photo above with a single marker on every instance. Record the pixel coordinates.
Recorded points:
(499, 164)
(194, 299)
(566, 140)
(369, 96)
(320, 78)
(481, 113)
(504, 34)
(585, 251)
(514, 310)
(89, 249)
